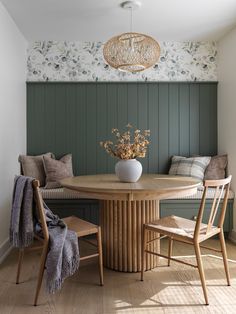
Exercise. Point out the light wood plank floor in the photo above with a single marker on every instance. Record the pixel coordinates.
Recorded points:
(174, 289)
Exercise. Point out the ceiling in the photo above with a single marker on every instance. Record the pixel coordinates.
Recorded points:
(98, 20)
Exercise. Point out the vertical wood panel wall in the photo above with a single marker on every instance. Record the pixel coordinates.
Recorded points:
(75, 117)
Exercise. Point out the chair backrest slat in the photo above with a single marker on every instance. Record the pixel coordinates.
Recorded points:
(214, 206)
(218, 196)
(221, 192)
(224, 206)
(200, 213)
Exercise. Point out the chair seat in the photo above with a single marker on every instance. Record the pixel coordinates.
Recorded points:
(81, 227)
(178, 226)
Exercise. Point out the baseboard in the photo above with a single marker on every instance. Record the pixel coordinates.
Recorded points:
(5, 249)
(232, 236)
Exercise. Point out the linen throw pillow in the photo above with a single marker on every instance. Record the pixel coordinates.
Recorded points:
(32, 166)
(57, 170)
(189, 167)
(216, 169)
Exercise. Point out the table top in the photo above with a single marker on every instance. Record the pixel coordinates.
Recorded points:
(149, 187)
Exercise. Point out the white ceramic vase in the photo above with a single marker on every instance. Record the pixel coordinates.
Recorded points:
(129, 170)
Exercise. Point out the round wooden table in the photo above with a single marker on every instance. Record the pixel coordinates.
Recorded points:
(125, 207)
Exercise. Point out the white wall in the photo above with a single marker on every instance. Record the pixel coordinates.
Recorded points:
(227, 105)
(12, 114)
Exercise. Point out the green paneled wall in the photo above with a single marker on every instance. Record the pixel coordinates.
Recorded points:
(75, 117)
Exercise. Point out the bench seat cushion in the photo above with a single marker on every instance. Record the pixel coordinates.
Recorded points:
(210, 195)
(67, 194)
(57, 194)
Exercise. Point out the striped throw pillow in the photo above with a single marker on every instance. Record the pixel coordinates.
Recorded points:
(189, 167)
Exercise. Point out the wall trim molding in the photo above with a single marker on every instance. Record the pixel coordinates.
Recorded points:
(121, 82)
(5, 249)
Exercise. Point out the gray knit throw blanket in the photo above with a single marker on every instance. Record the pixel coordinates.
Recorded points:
(63, 253)
(21, 225)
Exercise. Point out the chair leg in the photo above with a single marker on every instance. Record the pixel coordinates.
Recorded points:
(224, 255)
(170, 248)
(201, 270)
(143, 258)
(41, 271)
(99, 241)
(20, 260)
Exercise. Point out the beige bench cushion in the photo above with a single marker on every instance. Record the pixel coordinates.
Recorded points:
(60, 193)
(67, 194)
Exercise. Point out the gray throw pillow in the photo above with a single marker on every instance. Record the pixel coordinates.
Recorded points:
(189, 167)
(216, 169)
(32, 166)
(57, 170)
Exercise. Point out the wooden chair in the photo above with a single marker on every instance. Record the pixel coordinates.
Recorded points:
(193, 232)
(81, 227)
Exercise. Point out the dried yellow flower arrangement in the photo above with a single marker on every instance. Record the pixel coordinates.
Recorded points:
(129, 145)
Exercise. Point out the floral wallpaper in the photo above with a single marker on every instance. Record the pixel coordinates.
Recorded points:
(83, 61)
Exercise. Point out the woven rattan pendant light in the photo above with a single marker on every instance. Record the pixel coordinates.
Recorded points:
(131, 52)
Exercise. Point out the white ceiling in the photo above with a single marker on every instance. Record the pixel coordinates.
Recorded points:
(98, 20)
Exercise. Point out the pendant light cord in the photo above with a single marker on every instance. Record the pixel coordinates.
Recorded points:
(131, 19)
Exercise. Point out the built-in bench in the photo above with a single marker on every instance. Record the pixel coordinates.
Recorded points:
(65, 202)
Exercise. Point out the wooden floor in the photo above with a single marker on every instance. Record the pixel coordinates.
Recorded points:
(174, 289)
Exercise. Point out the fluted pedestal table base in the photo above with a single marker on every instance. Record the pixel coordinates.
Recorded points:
(121, 223)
